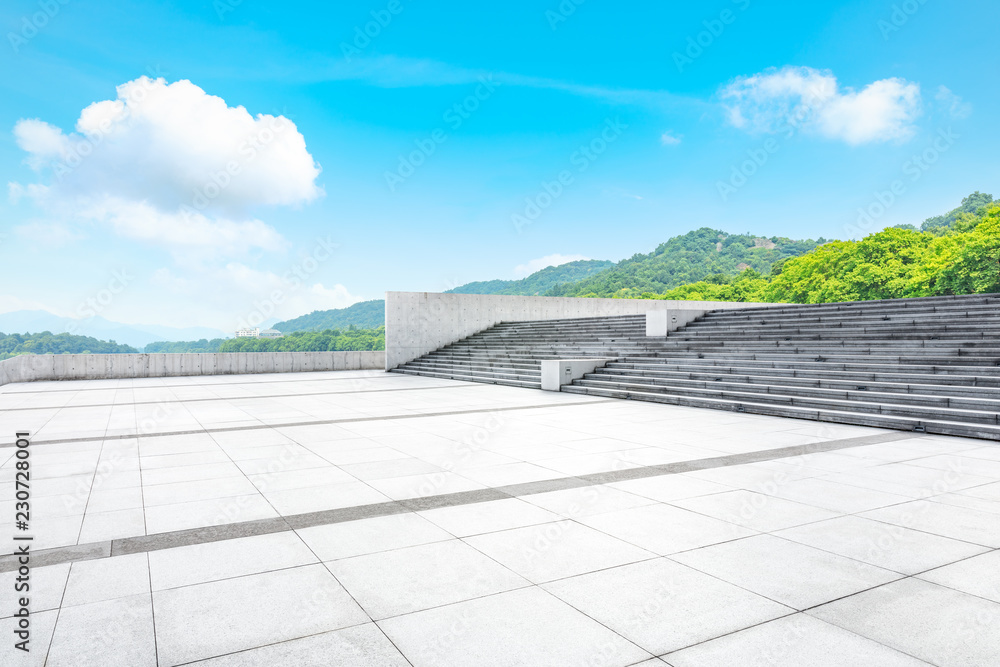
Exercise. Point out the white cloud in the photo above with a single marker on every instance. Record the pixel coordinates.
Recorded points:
(243, 294)
(952, 103)
(802, 97)
(170, 164)
(668, 139)
(48, 234)
(523, 270)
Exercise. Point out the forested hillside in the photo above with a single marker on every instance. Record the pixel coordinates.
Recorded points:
(960, 257)
(973, 204)
(203, 345)
(539, 282)
(311, 341)
(49, 343)
(687, 259)
(365, 315)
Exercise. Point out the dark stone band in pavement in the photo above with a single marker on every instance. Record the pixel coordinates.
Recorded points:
(180, 538)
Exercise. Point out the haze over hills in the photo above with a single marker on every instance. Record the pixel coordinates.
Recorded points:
(136, 335)
(368, 314)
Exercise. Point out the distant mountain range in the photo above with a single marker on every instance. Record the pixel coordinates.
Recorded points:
(136, 335)
(368, 314)
(700, 255)
(539, 282)
(683, 259)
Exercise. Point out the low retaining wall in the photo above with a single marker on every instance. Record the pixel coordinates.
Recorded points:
(420, 322)
(31, 367)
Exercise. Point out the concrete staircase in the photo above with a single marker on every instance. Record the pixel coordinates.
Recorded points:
(511, 353)
(928, 365)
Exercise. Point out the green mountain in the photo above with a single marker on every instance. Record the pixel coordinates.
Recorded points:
(973, 204)
(539, 282)
(687, 259)
(364, 315)
(48, 343)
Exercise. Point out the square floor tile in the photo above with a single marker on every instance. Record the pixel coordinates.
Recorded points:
(665, 488)
(792, 641)
(47, 587)
(882, 544)
(359, 646)
(787, 572)
(42, 625)
(834, 496)
(930, 622)
(976, 576)
(168, 518)
(105, 634)
(206, 620)
(662, 606)
(754, 510)
(107, 579)
(586, 500)
(537, 629)
(488, 517)
(365, 536)
(319, 498)
(98, 527)
(402, 581)
(664, 529)
(958, 523)
(212, 561)
(555, 550)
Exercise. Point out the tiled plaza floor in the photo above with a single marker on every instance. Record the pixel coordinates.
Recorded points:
(364, 518)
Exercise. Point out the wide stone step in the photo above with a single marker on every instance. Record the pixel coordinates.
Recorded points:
(975, 404)
(941, 427)
(864, 374)
(469, 378)
(793, 383)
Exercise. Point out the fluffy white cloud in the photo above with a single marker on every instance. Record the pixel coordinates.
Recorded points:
(804, 98)
(171, 164)
(523, 270)
(669, 139)
(952, 103)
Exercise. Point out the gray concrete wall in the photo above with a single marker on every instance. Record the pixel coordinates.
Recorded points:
(31, 367)
(420, 322)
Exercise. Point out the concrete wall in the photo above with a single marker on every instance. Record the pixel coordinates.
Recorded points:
(420, 322)
(29, 367)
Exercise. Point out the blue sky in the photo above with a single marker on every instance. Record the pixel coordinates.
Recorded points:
(777, 118)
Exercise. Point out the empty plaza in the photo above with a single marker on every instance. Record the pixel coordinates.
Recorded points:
(371, 518)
